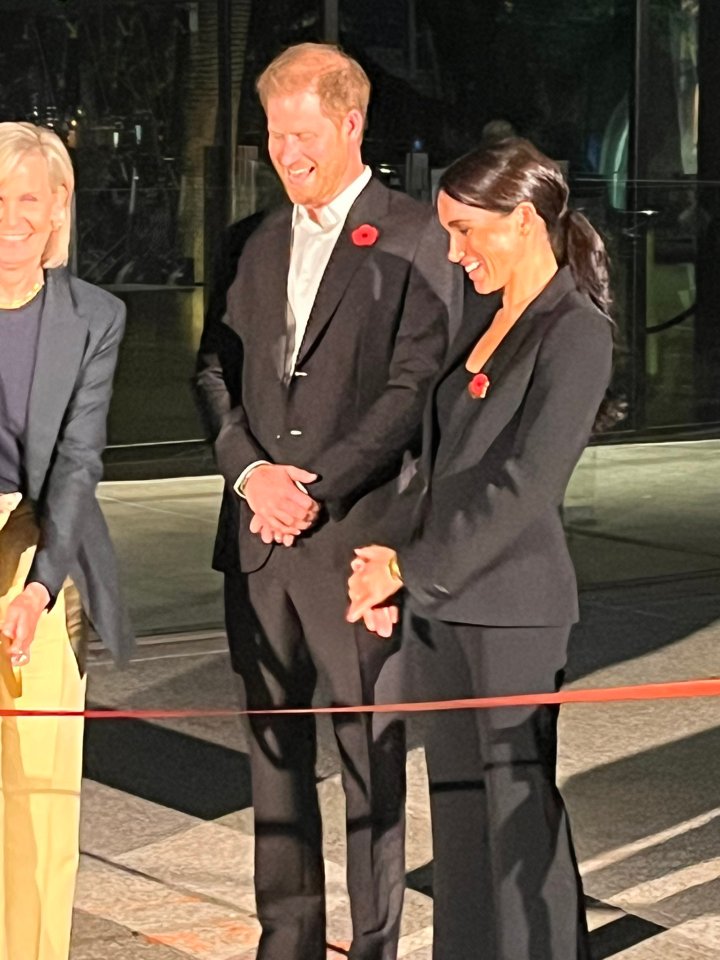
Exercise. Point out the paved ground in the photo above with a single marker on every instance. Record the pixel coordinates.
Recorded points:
(167, 833)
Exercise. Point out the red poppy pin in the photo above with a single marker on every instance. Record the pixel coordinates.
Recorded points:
(365, 235)
(479, 386)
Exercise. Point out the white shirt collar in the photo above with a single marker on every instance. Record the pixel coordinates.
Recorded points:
(337, 210)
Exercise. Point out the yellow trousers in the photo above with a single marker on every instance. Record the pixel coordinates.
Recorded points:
(40, 768)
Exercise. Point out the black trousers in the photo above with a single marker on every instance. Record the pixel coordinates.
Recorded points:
(286, 626)
(506, 883)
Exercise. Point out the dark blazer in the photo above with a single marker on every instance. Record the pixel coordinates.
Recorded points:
(489, 546)
(374, 341)
(80, 331)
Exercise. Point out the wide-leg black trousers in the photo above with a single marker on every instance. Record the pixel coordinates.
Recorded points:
(506, 883)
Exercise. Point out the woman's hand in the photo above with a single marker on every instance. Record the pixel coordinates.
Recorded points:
(382, 620)
(21, 620)
(371, 583)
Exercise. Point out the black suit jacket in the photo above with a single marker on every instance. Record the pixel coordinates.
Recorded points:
(80, 331)
(489, 546)
(375, 339)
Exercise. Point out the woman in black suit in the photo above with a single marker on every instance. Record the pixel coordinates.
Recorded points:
(490, 584)
(59, 341)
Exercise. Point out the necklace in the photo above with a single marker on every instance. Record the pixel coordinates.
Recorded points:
(21, 301)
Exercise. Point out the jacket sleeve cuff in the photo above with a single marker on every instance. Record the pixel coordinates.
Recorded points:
(239, 485)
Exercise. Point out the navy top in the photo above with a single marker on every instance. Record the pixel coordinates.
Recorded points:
(19, 331)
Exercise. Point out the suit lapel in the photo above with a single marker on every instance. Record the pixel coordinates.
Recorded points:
(274, 267)
(530, 325)
(370, 207)
(503, 365)
(257, 299)
(272, 270)
(476, 315)
(61, 344)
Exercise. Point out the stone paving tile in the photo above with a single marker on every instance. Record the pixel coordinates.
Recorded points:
(152, 522)
(203, 779)
(95, 938)
(673, 945)
(213, 861)
(339, 924)
(652, 874)
(418, 837)
(216, 862)
(332, 808)
(637, 797)
(193, 926)
(703, 931)
(417, 947)
(600, 915)
(240, 820)
(417, 914)
(114, 822)
(599, 561)
(424, 953)
(330, 955)
(204, 682)
(213, 941)
(416, 929)
(695, 912)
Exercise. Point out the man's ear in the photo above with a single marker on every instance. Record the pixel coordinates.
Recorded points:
(354, 124)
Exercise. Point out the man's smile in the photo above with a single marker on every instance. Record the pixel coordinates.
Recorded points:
(299, 174)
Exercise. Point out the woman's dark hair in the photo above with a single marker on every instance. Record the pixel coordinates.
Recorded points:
(498, 176)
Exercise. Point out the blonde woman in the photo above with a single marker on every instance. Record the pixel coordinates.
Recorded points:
(59, 339)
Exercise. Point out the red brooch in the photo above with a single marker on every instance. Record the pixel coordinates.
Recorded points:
(479, 386)
(365, 235)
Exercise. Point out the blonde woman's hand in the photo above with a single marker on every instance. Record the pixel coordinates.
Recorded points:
(8, 502)
(21, 620)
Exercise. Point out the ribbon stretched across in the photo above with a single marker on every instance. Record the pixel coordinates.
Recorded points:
(677, 690)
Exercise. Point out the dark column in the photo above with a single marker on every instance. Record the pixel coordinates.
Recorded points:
(224, 128)
(707, 319)
(331, 20)
(639, 157)
(218, 158)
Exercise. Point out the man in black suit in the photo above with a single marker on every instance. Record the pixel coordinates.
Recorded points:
(314, 386)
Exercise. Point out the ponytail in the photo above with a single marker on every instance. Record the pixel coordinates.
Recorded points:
(577, 244)
(580, 246)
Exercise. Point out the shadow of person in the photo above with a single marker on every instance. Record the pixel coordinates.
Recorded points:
(648, 814)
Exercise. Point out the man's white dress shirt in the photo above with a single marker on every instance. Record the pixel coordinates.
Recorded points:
(312, 244)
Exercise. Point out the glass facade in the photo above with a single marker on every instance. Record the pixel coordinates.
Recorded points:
(156, 100)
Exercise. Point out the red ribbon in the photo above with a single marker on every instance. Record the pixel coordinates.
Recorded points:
(675, 690)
